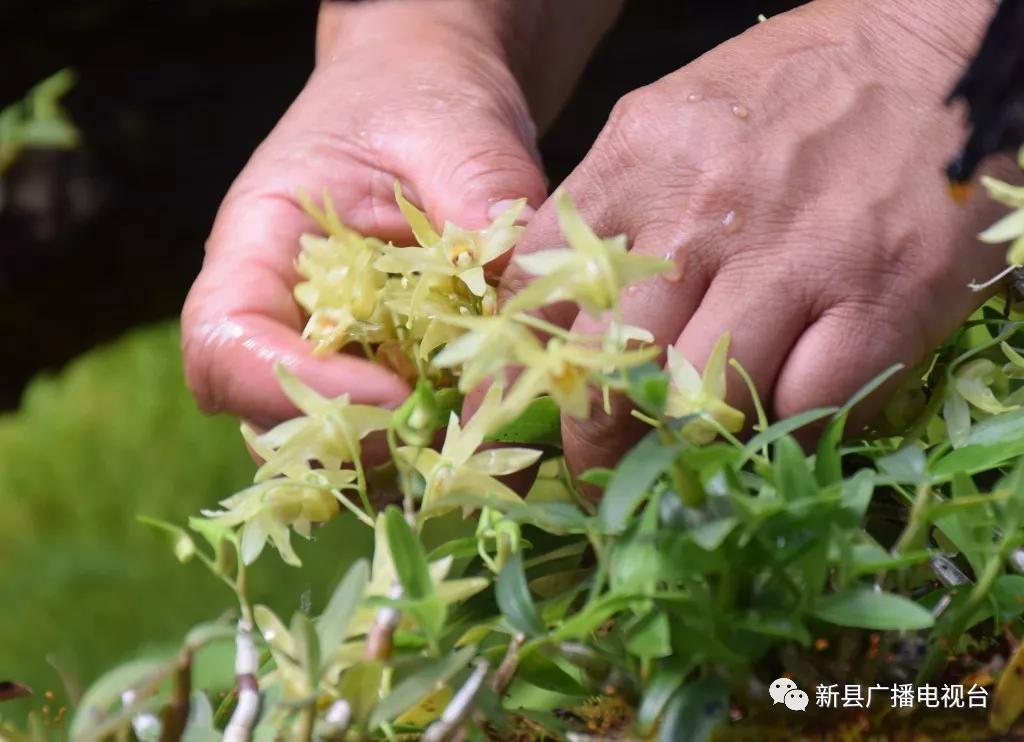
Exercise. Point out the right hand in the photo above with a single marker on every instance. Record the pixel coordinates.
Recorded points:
(423, 98)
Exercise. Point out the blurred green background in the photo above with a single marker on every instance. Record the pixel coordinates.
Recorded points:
(114, 435)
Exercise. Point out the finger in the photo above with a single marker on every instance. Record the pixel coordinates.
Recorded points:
(472, 177)
(844, 349)
(763, 321)
(662, 305)
(240, 319)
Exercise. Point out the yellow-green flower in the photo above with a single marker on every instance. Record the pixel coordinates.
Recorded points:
(486, 349)
(592, 271)
(418, 303)
(704, 396)
(328, 432)
(456, 252)
(1011, 227)
(459, 468)
(565, 371)
(266, 510)
(341, 292)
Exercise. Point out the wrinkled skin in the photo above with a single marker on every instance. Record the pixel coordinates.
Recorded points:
(444, 115)
(794, 174)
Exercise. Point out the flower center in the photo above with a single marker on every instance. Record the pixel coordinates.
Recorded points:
(462, 254)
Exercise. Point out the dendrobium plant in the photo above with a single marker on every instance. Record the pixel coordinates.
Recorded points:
(428, 312)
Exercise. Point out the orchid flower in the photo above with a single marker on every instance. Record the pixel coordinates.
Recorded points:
(592, 271)
(341, 291)
(266, 510)
(565, 370)
(486, 349)
(1010, 227)
(459, 468)
(328, 432)
(693, 394)
(456, 252)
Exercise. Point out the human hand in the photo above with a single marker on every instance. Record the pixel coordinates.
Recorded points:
(794, 175)
(419, 92)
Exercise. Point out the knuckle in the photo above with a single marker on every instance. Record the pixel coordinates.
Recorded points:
(632, 125)
(497, 164)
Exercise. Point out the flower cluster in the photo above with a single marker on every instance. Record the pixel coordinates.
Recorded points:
(428, 311)
(1011, 227)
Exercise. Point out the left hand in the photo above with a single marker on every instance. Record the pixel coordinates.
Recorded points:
(795, 175)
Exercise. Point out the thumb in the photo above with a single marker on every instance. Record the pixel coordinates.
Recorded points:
(470, 175)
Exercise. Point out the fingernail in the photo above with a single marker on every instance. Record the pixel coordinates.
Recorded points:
(500, 207)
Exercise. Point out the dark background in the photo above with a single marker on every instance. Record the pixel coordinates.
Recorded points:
(171, 99)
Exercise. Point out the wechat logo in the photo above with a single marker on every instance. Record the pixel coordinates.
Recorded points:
(785, 691)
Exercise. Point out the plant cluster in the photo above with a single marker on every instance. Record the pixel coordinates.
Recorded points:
(707, 567)
(38, 121)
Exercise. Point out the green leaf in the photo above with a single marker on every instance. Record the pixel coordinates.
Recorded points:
(856, 492)
(663, 685)
(864, 608)
(514, 599)
(599, 476)
(786, 627)
(828, 464)
(200, 726)
(537, 669)
(647, 385)
(216, 535)
(635, 563)
(422, 414)
(992, 443)
(332, 626)
(307, 647)
(181, 542)
(539, 424)
(905, 466)
(207, 633)
(408, 693)
(711, 535)
(695, 711)
(793, 478)
(649, 637)
(594, 614)
(359, 686)
(408, 555)
(105, 692)
(632, 481)
(782, 428)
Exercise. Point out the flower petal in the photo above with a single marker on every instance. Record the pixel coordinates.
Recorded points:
(685, 377)
(422, 229)
(1010, 227)
(501, 461)
(474, 280)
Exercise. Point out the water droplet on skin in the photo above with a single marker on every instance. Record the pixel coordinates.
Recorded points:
(675, 273)
(694, 98)
(740, 112)
(732, 222)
